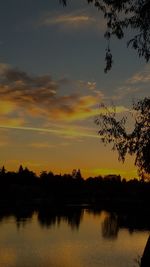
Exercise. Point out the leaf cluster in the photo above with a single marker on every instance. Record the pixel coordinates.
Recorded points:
(113, 130)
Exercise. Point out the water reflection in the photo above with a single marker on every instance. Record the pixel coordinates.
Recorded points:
(21, 216)
(71, 215)
(94, 237)
(131, 220)
(110, 226)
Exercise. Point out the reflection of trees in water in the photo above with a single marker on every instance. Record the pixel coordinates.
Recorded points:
(110, 226)
(21, 216)
(71, 215)
(138, 221)
(113, 222)
(135, 220)
(46, 217)
(96, 211)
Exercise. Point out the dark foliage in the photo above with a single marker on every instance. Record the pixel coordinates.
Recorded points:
(26, 189)
(135, 143)
(145, 260)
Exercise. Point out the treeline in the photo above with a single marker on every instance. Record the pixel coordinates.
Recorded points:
(24, 187)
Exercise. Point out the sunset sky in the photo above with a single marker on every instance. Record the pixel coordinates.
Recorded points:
(52, 81)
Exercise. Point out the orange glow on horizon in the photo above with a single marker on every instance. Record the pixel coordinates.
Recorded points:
(86, 173)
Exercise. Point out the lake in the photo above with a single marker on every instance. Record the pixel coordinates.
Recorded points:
(71, 237)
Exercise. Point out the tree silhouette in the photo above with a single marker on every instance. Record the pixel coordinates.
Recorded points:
(145, 260)
(121, 15)
(135, 143)
(3, 171)
(20, 171)
(76, 174)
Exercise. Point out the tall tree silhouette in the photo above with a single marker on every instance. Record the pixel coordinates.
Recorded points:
(121, 15)
(135, 143)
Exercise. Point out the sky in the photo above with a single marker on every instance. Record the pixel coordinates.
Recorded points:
(52, 82)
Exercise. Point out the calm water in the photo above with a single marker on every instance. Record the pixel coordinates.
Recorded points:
(76, 238)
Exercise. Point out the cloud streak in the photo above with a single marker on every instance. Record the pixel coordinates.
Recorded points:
(67, 132)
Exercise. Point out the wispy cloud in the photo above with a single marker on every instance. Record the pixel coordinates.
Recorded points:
(71, 19)
(125, 91)
(77, 19)
(38, 96)
(87, 85)
(140, 77)
(37, 100)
